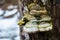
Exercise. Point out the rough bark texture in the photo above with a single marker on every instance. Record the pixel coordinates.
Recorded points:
(54, 34)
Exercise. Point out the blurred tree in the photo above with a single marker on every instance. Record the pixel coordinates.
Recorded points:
(5, 3)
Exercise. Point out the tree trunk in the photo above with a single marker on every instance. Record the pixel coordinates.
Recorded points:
(41, 35)
(53, 34)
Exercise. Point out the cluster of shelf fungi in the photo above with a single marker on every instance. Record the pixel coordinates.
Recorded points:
(53, 8)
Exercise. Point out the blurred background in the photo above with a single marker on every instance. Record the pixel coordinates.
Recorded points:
(9, 16)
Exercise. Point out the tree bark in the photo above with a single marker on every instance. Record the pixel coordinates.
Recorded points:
(54, 34)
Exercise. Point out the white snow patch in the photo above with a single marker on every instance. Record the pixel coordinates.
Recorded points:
(12, 7)
(8, 13)
(1, 11)
(9, 27)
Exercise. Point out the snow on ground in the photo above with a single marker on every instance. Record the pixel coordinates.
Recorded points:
(8, 27)
(8, 13)
(1, 11)
(5, 39)
(12, 7)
